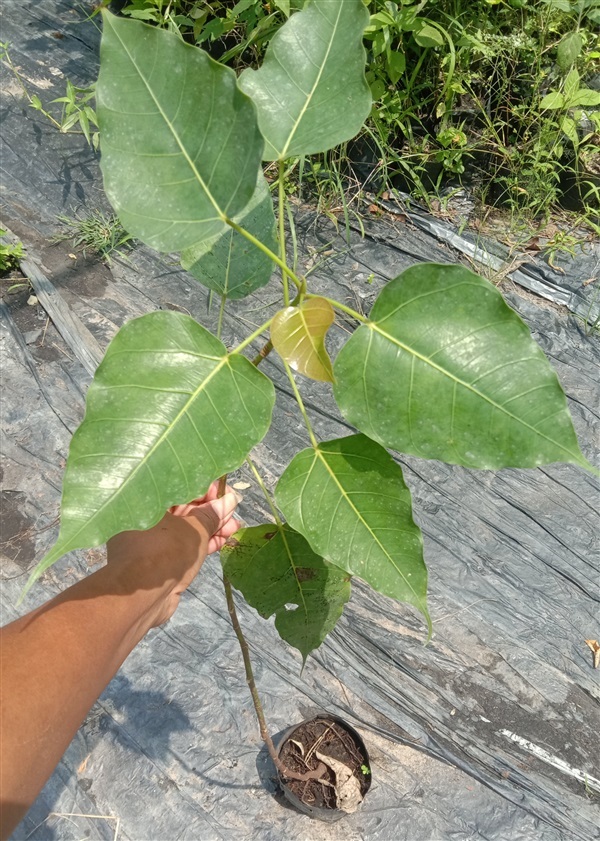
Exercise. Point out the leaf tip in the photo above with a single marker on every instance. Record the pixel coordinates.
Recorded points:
(424, 610)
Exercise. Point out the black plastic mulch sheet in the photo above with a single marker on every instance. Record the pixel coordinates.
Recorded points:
(490, 732)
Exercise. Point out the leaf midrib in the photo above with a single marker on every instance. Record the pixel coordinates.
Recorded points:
(145, 459)
(372, 325)
(190, 162)
(419, 600)
(283, 153)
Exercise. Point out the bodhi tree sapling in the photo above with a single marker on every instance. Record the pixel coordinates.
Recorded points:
(441, 368)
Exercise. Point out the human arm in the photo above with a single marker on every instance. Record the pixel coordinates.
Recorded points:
(56, 661)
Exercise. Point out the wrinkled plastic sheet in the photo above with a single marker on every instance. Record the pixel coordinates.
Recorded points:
(571, 279)
(489, 732)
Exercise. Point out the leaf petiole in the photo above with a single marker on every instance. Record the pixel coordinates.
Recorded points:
(281, 186)
(258, 332)
(301, 405)
(265, 491)
(256, 242)
(338, 306)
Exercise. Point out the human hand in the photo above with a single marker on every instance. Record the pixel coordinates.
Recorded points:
(167, 557)
(214, 513)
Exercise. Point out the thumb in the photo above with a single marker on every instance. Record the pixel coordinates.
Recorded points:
(217, 512)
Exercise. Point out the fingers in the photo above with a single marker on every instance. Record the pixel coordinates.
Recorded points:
(218, 540)
(215, 513)
(210, 495)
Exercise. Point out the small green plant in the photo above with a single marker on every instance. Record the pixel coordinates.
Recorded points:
(365, 770)
(99, 232)
(78, 115)
(10, 254)
(441, 368)
(78, 111)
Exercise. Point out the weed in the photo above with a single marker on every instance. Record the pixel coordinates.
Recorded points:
(77, 104)
(10, 254)
(102, 233)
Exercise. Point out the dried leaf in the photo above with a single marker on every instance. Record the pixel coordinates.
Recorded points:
(594, 647)
(347, 786)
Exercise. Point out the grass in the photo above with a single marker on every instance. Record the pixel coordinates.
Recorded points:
(99, 232)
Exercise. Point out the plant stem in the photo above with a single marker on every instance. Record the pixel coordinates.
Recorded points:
(265, 491)
(253, 336)
(263, 353)
(260, 715)
(338, 306)
(260, 245)
(221, 314)
(286, 290)
(300, 403)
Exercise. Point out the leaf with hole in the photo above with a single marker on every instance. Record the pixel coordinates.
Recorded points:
(278, 573)
(298, 336)
(168, 411)
(444, 369)
(228, 263)
(180, 142)
(349, 500)
(311, 92)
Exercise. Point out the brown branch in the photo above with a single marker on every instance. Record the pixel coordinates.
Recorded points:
(260, 715)
(262, 724)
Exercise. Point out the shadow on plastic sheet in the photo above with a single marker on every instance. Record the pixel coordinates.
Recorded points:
(122, 713)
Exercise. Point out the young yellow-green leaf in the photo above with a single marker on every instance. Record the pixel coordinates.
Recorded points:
(228, 262)
(444, 369)
(311, 93)
(180, 142)
(278, 573)
(168, 411)
(298, 336)
(349, 500)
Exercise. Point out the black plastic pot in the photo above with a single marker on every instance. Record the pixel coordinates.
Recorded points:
(319, 812)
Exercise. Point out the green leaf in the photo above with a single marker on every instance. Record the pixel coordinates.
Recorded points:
(444, 369)
(275, 568)
(572, 83)
(168, 411)
(377, 89)
(180, 142)
(586, 97)
(228, 262)
(553, 101)
(569, 50)
(284, 6)
(428, 36)
(349, 500)
(298, 336)
(311, 92)
(569, 127)
(396, 65)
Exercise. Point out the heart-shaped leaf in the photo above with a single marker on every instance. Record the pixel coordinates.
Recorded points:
(311, 93)
(349, 500)
(298, 336)
(228, 262)
(444, 369)
(168, 411)
(278, 573)
(180, 142)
